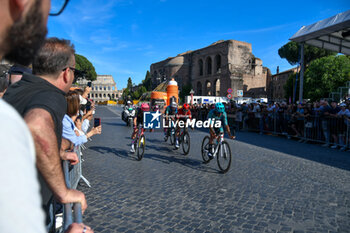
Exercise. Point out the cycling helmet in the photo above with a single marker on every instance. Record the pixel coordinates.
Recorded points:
(219, 107)
(129, 102)
(155, 108)
(144, 107)
(173, 105)
(186, 107)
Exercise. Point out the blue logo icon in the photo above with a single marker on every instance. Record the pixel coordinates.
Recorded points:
(151, 120)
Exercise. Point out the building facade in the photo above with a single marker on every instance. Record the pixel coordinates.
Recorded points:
(214, 69)
(276, 91)
(102, 89)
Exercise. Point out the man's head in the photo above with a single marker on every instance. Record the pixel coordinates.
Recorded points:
(55, 61)
(334, 104)
(22, 29)
(16, 72)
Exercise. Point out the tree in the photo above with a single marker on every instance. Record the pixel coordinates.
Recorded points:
(83, 64)
(325, 75)
(186, 89)
(129, 85)
(291, 52)
(289, 87)
(147, 82)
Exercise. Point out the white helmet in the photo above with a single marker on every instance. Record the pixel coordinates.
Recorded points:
(173, 105)
(129, 102)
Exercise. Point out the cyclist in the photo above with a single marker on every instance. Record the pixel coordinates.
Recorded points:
(138, 120)
(217, 114)
(169, 114)
(183, 114)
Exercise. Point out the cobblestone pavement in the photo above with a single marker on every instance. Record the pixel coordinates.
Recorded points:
(274, 185)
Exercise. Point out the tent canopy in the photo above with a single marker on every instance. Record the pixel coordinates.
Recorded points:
(331, 34)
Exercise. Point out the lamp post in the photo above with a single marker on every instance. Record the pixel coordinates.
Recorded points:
(192, 92)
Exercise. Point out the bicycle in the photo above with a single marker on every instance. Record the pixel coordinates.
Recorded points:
(184, 140)
(170, 134)
(223, 156)
(139, 144)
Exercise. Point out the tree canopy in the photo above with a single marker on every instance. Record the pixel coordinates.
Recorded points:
(291, 52)
(83, 64)
(325, 75)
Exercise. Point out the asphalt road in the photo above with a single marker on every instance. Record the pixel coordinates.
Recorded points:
(274, 185)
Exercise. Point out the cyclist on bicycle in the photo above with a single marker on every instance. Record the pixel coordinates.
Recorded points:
(169, 114)
(183, 114)
(218, 114)
(138, 120)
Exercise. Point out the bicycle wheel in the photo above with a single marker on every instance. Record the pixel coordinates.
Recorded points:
(224, 157)
(205, 149)
(141, 147)
(186, 143)
(172, 138)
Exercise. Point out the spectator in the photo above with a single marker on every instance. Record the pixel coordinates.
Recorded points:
(16, 73)
(40, 100)
(3, 85)
(68, 121)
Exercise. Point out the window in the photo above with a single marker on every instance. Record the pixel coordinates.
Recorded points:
(200, 65)
(209, 65)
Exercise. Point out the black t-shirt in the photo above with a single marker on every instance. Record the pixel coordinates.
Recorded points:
(34, 92)
(139, 116)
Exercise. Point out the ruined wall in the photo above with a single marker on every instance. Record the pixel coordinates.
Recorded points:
(214, 69)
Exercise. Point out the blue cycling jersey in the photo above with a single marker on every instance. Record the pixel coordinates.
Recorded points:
(223, 118)
(169, 111)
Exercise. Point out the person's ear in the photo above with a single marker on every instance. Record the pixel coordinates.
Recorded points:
(18, 7)
(66, 76)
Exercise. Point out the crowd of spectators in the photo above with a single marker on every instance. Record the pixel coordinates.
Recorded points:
(321, 121)
(42, 120)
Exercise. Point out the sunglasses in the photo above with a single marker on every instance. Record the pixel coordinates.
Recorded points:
(57, 7)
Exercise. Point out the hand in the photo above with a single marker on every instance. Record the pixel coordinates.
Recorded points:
(71, 156)
(87, 90)
(79, 228)
(97, 130)
(73, 196)
(232, 137)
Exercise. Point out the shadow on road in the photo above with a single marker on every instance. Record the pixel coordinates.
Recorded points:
(120, 153)
(174, 157)
(313, 152)
(116, 124)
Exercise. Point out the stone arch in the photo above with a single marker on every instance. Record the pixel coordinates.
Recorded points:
(112, 96)
(208, 65)
(217, 63)
(100, 95)
(200, 67)
(217, 87)
(199, 88)
(208, 88)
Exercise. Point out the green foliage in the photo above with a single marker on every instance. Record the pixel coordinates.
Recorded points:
(185, 92)
(325, 75)
(83, 64)
(291, 52)
(129, 85)
(289, 87)
(147, 82)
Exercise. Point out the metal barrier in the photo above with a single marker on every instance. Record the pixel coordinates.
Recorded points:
(72, 175)
(68, 214)
(329, 130)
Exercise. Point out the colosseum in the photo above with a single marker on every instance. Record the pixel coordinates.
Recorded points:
(214, 69)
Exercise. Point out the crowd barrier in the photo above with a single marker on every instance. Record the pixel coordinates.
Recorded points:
(332, 131)
(73, 174)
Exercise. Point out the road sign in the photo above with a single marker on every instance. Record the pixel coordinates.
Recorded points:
(229, 90)
(239, 93)
(229, 96)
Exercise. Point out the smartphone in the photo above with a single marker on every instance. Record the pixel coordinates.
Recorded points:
(89, 84)
(88, 107)
(97, 122)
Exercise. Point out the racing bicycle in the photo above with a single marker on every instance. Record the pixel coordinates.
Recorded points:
(139, 144)
(222, 152)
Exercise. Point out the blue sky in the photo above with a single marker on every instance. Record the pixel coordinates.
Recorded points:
(124, 37)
